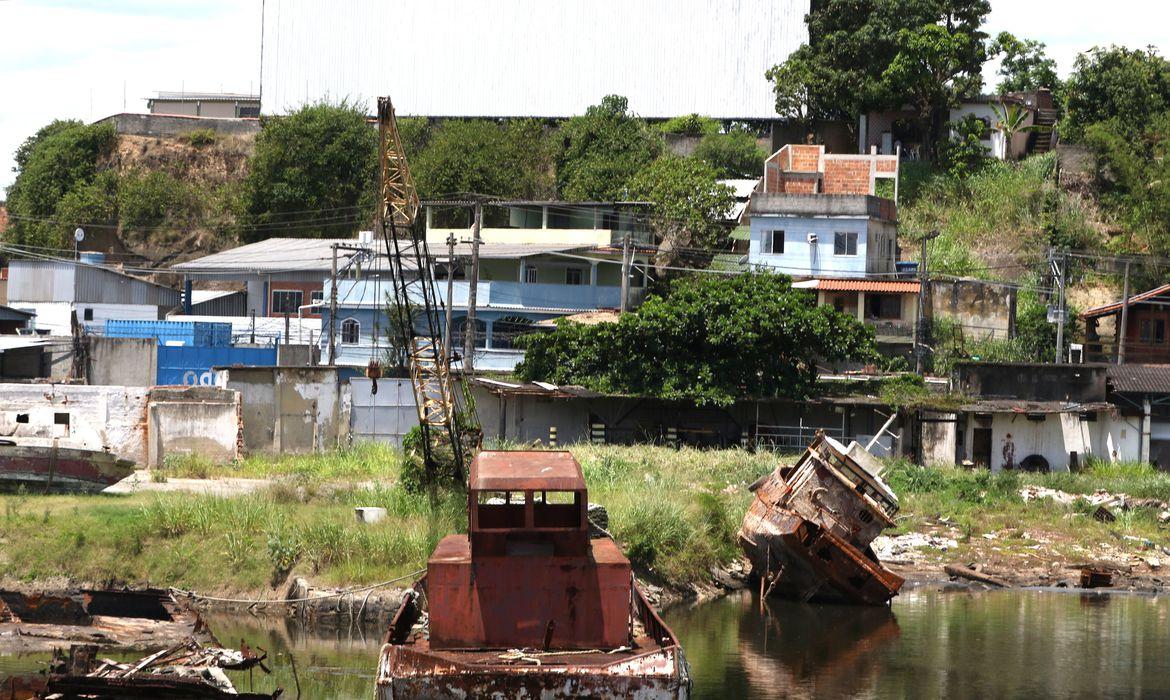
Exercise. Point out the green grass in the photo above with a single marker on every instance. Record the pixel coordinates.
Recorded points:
(364, 461)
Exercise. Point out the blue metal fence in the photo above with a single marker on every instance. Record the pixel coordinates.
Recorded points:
(192, 365)
(189, 333)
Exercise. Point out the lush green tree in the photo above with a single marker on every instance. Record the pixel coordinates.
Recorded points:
(689, 204)
(1024, 65)
(935, 66)
(510, 159)
(734, 154)
(690, 125)
(711, 339)
(312, 173)
(60, 160)
(1130, 85)
(870, 54)
(962, 153)
(1133, 175)
(603, 149)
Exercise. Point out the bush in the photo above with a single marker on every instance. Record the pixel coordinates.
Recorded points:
(689, 125)
(735, 154)
(962, 154)
(199, 137)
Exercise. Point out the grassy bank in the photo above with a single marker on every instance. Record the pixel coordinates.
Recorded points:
(674, 511)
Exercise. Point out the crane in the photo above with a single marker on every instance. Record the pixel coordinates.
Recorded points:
(416, 304)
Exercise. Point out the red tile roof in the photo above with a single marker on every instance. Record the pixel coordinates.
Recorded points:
(847, 285)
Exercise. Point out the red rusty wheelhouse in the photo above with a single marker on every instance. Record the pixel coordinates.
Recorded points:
(528, 574)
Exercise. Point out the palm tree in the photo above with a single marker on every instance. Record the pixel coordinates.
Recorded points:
(1009, 121)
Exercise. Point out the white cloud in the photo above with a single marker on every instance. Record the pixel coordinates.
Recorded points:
(65, 60)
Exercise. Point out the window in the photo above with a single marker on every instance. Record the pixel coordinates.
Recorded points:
(350, 330)
(507, 329)
(885, 306)
(1152, 330)
(316, 297)
(461, 329)
(574, 275)
(286, 301)
(773, 243)
(61, 419)
(530, 274)
(87, 315)
(845, 243)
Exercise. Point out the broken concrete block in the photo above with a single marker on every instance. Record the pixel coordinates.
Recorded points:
(369, 515)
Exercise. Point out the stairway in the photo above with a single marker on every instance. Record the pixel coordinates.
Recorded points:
(1042, 141)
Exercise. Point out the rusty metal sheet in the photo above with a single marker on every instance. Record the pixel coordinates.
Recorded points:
(520, 470)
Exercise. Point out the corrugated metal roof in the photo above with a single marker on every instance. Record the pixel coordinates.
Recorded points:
(37, 281)
(1140, 379)
(1109, 309)
(856, 285)
(515, 58)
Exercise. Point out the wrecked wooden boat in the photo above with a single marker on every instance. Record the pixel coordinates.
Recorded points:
(188, 670)
(128, 619)
(527, 604)
(808, 530)
(55, 469)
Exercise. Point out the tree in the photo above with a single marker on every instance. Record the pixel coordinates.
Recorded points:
(711, 339)
(1133, 175)
(1024, 67)
(511, 159)
(54, 166)
(734, 154)
(689, 204)
(602, 150)
(312, 173)
(874, 54)
(936, 65)
(1010, 120)
(1132, 86)
(963, 154)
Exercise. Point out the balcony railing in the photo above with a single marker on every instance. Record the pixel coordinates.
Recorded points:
(891, 329)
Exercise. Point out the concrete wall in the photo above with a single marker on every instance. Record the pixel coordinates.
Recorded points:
(196, 420)
(1032, 382)
(985, 310)
(939, 433)
(166, 125)
(810, 259)
(288, 409)
(1107, 436)
(122, 361)
(109, 418)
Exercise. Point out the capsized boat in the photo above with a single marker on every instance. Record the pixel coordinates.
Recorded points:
(808, 530)
(55, 469)
(528, 604)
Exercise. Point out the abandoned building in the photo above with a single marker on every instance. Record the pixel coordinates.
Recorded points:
(1144, 338)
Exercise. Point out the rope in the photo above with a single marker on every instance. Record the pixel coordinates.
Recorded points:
(535, 656)
(350, 591)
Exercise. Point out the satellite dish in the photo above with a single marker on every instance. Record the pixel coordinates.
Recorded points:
(79, 235)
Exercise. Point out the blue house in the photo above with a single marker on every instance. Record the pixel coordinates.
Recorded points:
(823, 235)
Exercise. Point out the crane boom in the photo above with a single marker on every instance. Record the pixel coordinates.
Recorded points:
(415, 302)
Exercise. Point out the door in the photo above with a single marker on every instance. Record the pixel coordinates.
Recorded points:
(981, 447)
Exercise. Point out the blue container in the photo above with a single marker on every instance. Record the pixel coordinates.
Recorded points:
(191, 366)
(201, 334)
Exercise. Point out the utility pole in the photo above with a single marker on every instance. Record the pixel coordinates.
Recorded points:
(1058, 270)
(626, 273)
(450, 294)
(1124, 318)
(920, 321)
(333, 308)
(469, 329)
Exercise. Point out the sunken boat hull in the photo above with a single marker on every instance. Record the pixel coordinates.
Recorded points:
(60, 469)
(652, 666)
(808, 530)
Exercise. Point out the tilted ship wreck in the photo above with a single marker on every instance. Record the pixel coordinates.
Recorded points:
(808, 530)
(528, 604)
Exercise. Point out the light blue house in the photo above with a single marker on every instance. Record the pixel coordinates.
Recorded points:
(519, 286)
(823, 235)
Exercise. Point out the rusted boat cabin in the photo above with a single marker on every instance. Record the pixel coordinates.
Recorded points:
(809, 529)
(527, 604)
(528, 575)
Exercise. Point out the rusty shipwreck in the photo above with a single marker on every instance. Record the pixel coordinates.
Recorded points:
(528, 604)
(54, 469)
(809, 528)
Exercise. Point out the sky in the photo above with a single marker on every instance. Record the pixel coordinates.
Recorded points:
(71, 59)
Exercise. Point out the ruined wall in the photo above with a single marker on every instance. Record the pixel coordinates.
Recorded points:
(985, 311)
(939, 436)
(111, 418)
(122, 361)
(288, 409)
(204, 421)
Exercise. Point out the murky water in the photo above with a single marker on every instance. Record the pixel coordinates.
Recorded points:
(1000, 644)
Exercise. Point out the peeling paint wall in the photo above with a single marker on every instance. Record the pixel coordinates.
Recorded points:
(198, 420)
(109, 418)
(288, 409)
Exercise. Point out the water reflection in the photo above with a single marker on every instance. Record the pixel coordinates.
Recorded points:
(1002, 644)
(931, 644)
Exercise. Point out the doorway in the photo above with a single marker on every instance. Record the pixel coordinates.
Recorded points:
(981, 447)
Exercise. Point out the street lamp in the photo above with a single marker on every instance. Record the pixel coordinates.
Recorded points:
(78, 237)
